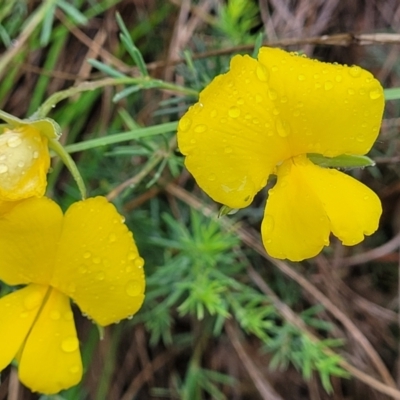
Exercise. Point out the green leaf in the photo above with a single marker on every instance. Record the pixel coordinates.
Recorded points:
(392, 94)
(342, 161)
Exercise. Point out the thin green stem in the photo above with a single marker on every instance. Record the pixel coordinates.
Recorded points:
(122, 137)
(142, 82)
(70, 164)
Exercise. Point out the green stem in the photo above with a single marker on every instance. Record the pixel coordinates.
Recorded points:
(70, 164)
(122, 137)
(142, 82)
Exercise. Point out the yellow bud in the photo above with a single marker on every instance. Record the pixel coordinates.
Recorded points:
(24, 162)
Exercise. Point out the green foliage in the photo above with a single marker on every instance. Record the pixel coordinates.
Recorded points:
(237, 19)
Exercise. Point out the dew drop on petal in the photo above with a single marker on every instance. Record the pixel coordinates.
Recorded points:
(200, 128)
(139, 262)
(268, 223)
(70, 344)
(272, 94)
(355, 71)
(24, 314)
(75, 369)
(301, 77)
(213, 113)
(338, 78)
(14, 141)
(21, 164)
(87, 255)
(133, 288)
(228, 150)
(35, 155)
(184, 124)
(261, 73)
(282, 128)
(212, 177)
(96, 260)
(234, 112)
(375, 94)
(112, 237)
(3, 169)
(328, 85)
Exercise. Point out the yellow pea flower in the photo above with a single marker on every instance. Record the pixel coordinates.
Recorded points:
(24, 156)
(87, 255)
(263, 117)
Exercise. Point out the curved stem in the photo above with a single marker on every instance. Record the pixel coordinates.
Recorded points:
(70, 164)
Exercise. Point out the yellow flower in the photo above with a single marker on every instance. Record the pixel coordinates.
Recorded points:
(24, 156)
(262, 118)
(87, 255)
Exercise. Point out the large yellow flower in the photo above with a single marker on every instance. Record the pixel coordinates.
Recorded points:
(24, 156)
(87, 255)
(263, 117)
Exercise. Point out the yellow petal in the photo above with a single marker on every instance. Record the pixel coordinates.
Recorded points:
(30, 232)
(329, 109)
(230, 136)
(24, 162)
(51, 360)
(295, 224)
(18, 310)
(352, 208)
(98, 264)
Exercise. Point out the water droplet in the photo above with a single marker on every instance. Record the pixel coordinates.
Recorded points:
(240, 101)
(212, 177)
(32, 300)
(258, 98)
(274, 68)
(355, 71)
(360, 138)
(184, 124)
(375, 94)
(228, 150)
(328, 85)
(338, 78)
(139, 262)
(75, 369)
(262, 73)
(132, 255)
(21, 164)
(213, 113)
(24, 314)
(272, 94)
(3, 169)
(296, 113)
(55, 315)
(112, 237)
(200, 128)
(234, 112)
(14, 141)
(35, 155)
(70, 344)
(282, 128)
(100, 276)
(87, 255)
(301, 77)
(96, 260)
(366, 197)
(268, 223)
(133, 288)
(284, 99)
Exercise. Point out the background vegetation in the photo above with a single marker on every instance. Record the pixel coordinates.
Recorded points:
(221, 319)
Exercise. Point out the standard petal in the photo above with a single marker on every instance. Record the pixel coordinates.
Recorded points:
(51, 360)
(98, 264)
(353, 209)
(326, 108)
(295, 224)
(230, 137)
(24, 162)
(18, 310)
(30, 233)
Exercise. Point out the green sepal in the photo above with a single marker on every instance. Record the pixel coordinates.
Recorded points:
(342, 161)
(46, 126)
(225, 210)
